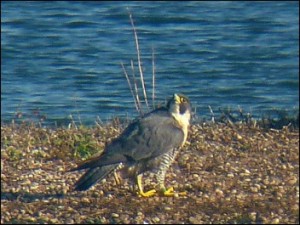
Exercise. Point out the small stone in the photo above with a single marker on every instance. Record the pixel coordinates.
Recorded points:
(254, 189)
(275, 221)
(247, 171)
(156, 219)
(252, 216)
(114, 215)
(219, 192)
(195, 220)
(85, 200)
(140, 214)
(292, 180)
(239, 137)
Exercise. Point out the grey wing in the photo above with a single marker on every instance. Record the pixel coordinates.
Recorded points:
(144, 139)
(155, 136)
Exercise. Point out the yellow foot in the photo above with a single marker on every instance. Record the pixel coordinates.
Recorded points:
(147, 194)
(170, 193)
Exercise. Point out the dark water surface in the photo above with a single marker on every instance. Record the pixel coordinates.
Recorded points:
(64, 58)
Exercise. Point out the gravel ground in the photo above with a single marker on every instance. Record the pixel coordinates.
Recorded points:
(232, 173)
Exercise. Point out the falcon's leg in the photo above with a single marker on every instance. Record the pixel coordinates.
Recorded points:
(161, 174)
(140, 186)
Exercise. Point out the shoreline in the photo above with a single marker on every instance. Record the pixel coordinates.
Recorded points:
(277, 120)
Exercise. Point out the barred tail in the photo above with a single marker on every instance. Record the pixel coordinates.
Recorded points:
(92, 176)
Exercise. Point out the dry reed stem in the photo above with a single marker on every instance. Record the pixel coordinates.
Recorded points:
(139, 60)
(130, 87)
(136, 91)
(153, 79)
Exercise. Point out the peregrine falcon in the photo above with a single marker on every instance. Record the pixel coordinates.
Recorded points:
(149, 143)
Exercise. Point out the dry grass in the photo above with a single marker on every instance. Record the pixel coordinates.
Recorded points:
(233, 174)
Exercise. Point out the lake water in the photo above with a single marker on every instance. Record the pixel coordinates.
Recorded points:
(64, 58)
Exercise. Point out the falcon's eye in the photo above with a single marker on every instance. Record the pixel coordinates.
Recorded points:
(183, 100)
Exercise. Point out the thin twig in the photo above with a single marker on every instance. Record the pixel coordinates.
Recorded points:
(212, 114)
(139, 60)
(153, 79)
(78, 114)
(136, 90)
(130, 87)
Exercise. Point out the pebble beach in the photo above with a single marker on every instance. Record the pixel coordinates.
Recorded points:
(232, 173)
